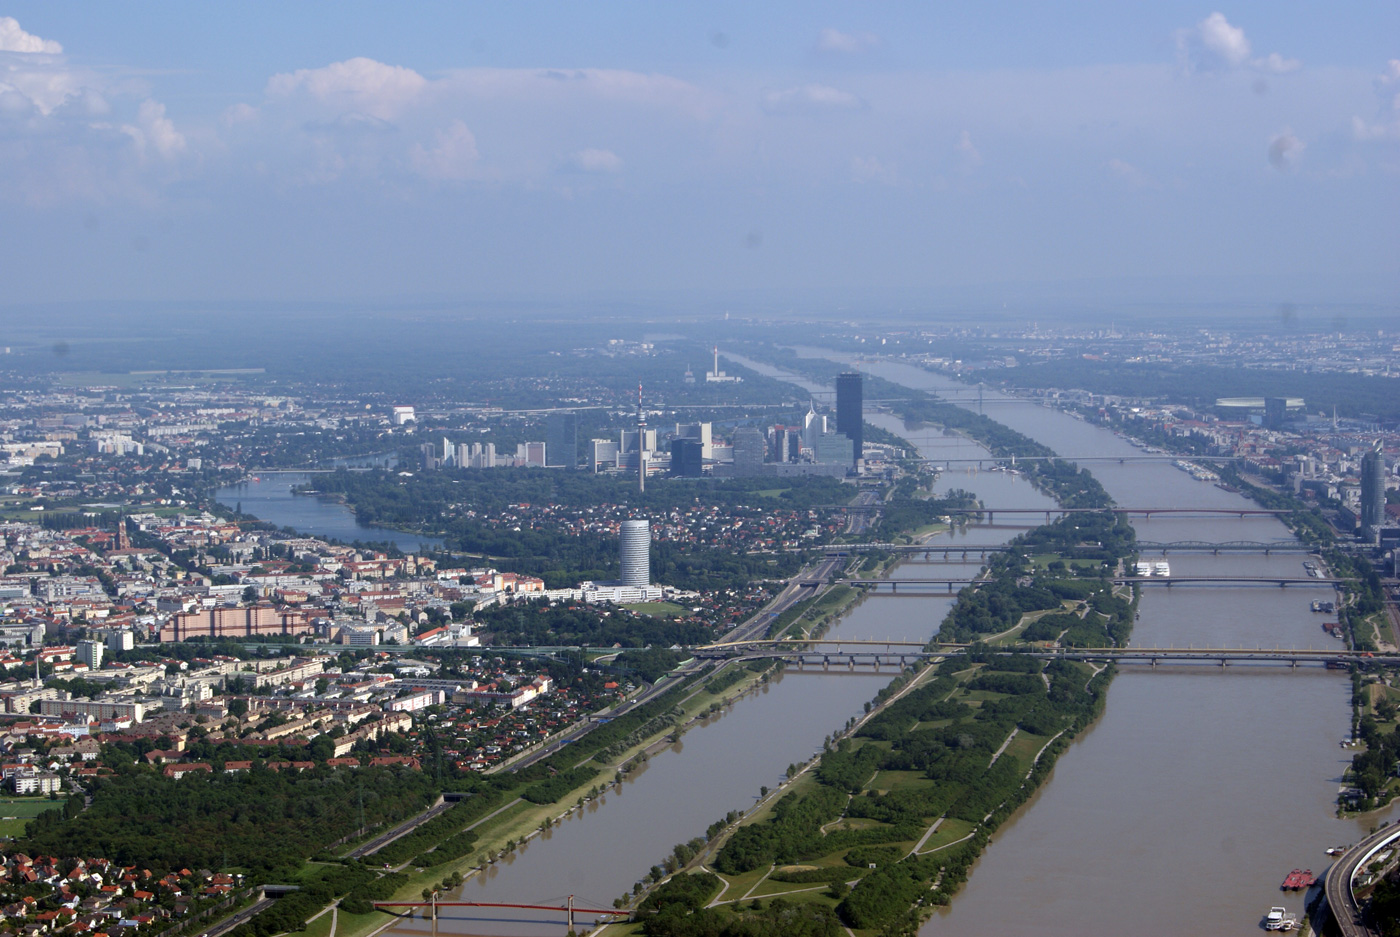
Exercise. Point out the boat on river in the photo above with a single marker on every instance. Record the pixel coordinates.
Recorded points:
(1279, 919)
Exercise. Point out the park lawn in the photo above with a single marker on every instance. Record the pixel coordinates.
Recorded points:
(895, 780)
(951, 831)
(772, 492)
(740, 884)
(658, 609)
(321, 927)
(1025, 746)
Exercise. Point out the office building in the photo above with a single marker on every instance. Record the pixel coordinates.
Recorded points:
(561, 440)
(850, 411)
(749, 450)
(603, 453)
(635, 553)
(90, 653)
(687, 458)
(1372, 493)
(833, 448)
(531, 454)
(699, 431)
(813, 425)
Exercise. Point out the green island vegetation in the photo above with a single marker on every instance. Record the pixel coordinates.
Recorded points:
(1201, 385)
(892, 816)
(453, 504)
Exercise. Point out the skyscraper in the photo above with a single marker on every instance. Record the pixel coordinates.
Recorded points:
(687, 458)
(750, 448)
(1372, 492)
(635, 553)
(561, 439)
(850, 411)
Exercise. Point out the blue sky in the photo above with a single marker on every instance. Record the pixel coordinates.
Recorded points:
(902, 152)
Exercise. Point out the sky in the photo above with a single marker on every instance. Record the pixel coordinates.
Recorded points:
(895, 152)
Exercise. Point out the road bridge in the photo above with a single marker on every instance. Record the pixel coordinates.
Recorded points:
(916, 586)
(876, 652)
(568, 908)
(1049, 512)
(968, 551)
(1337, 883)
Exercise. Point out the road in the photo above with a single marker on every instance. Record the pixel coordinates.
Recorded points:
(384, 839)
(228, 924)
(1338, 882)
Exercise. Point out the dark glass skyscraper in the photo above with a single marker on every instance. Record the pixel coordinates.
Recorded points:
(687, 458)
(850, 410)
(561, 440)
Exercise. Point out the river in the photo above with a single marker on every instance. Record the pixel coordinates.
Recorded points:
(268, 496)
(1184, 806)
(1199, 789)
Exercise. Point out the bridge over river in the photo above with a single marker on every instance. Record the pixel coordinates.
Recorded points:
(922, 586)
(971, 551)
(880, 653)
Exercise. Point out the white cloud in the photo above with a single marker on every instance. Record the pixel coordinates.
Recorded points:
(1226, 41)
(833, 40)
(1215, 43)
(1273, 62)
(596, 161)
(358, 84)
(1285, 150)
(808, 99)
(1387, 125)
(154, 131)
(968, 151)
(14, 39)
(453, 157)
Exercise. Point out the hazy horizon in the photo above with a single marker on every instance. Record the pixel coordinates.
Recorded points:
(889, 155)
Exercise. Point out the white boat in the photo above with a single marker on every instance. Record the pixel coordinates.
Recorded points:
(1279, 919)
(1144, 569)
(1161, 569)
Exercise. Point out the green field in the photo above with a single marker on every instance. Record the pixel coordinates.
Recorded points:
(15, 812)
(658, 609)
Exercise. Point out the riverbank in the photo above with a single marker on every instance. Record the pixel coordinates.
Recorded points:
(524, 823)
(885, 823)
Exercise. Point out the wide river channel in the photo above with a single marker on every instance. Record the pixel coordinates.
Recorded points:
(1182, 808)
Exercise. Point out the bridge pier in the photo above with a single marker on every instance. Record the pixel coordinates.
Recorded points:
(826, 663)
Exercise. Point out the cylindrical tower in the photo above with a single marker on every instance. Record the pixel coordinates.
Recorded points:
(636, 553)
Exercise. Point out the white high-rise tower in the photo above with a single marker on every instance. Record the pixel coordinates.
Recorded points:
(635, 549)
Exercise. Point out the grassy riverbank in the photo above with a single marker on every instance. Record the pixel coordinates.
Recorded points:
(521, 823)
(887, 822)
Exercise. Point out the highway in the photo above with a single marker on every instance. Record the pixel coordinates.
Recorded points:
(384, 839)
(806, 584)
(1340, 898)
